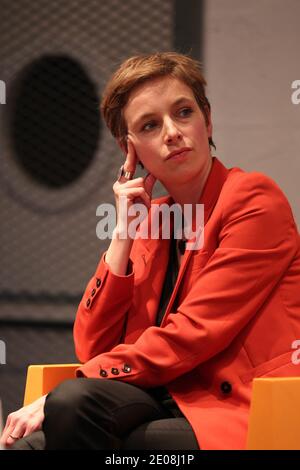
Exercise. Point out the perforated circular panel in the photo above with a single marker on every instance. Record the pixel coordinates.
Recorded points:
(55, 120)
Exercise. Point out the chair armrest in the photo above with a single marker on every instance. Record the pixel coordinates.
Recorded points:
(274, 414)
(41, 379)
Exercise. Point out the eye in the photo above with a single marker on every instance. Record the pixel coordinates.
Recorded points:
(184, 112)
(149, 126)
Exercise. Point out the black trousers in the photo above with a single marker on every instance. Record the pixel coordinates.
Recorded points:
(105, 414)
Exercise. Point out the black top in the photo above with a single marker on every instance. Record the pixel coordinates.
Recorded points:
(169, 282)
(161, 393)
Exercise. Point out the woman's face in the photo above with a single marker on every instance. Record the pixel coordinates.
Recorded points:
(162, 117)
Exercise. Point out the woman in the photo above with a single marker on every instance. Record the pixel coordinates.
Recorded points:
(171, 338)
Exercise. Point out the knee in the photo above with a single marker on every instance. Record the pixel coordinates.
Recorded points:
(62, 413)
(65, 400)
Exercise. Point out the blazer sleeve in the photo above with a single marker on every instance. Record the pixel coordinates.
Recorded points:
(257, 241)
(101, 314)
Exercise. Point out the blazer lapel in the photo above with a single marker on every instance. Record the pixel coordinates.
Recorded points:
(209, 197)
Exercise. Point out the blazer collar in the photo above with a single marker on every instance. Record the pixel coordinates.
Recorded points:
(213, 186)
(210, 194)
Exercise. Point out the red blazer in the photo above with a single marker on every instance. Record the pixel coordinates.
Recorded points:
(238, 309)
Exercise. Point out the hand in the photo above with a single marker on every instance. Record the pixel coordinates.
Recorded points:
(23, 422)
(135, 190)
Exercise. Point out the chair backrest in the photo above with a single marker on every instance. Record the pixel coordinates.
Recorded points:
(274, 414)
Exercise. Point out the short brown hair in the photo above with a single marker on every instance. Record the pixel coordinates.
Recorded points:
(139, 69)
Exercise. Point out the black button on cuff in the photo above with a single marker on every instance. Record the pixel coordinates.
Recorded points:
(126, 368)
(103, 373)
(226, 387)
(115, 371)
(88, 302)
(93, 292)
(98, 283)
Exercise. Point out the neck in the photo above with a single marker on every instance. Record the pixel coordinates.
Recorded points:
(190, 191)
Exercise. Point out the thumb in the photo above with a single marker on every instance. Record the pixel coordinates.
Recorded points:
(149, 182)
(10, 441)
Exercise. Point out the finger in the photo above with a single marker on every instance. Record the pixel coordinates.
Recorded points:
(7, 424)
(143, 200)
(131, 158)
(7, 431)
(149, 182)
(10, 441)
(135, 183)
(132, 193)
(135, 193)
(15, 431)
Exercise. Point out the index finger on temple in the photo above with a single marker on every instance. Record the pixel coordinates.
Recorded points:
(131, 158)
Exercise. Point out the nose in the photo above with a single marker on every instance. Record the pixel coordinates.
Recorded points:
(171, 132)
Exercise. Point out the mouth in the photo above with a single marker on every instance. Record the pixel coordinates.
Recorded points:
(177, 153)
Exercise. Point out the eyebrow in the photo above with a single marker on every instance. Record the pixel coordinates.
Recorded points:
(149, 115)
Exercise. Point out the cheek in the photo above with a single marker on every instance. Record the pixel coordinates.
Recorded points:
(142, 151)
(146, 151)
(200, 133)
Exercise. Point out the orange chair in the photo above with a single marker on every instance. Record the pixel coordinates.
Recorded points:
(274, 413)
(41, 379)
